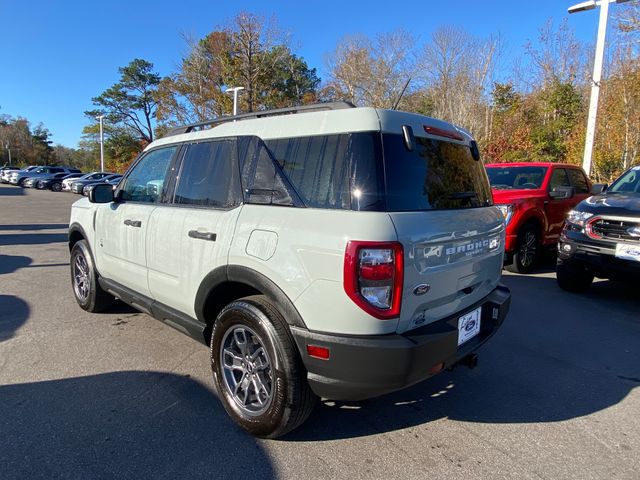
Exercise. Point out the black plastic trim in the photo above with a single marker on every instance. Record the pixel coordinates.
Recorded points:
(178, 320)
(76, 227)
(252, 278)
(362, 367)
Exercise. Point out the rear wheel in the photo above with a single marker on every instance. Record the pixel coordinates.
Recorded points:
(56, 187)
(573, 277)
(257, 369)
(526, 255)
(84, 279)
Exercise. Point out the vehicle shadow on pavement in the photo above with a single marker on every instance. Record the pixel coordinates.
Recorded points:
(32, 238)
(123, 425)
(553, 360)
(11, 192)
(11, 263)
(36, 226)
(14, 312)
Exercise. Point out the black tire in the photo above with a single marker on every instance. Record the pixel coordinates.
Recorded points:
(84, 280)
(39, 185)
(282, 398)
(527, 253)
(56, 187)
(572, 277)
(21, 182)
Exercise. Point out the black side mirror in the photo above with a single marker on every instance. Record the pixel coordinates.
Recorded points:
(598, 188)
(101, 193)
(560, 193)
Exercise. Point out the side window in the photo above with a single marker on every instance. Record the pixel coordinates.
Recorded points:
(145, 182)
(579, 181)
(559, 178)
(318, 167)
(209, 175)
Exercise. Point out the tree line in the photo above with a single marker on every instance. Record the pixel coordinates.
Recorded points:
(534, 110)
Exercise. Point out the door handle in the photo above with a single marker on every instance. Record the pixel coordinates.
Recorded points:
(203, 235)
(133, 223)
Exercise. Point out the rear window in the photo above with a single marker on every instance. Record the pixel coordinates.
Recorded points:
(436, 175)
(517, 178)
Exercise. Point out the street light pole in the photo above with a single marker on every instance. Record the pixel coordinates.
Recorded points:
(101, 143)
(597, 73)
(235, 91)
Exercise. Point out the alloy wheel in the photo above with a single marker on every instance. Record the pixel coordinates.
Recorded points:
(81, 280)
(247, 370)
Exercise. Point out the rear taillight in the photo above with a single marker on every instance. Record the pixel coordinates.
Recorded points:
(373, 273)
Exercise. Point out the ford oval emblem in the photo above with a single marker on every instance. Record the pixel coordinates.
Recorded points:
(421, 289)
(470, 326)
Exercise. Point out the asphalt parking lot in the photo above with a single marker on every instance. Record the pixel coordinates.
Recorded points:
(120, 395)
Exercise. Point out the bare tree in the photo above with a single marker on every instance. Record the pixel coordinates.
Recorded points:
(371, 72)
(458, 71)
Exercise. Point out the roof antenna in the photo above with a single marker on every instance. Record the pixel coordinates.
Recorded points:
(395, 106)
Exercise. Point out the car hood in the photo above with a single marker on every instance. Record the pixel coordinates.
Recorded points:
(620, 204)
(513, 196)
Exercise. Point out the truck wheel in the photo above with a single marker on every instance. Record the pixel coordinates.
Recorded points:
(573, 278)
(257, 369)
(84, 279)
(526, 254)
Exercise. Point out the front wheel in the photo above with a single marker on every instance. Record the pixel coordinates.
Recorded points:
(573, 278)
(84, 279)
(56, 187)
(257, 369)
(526, 255)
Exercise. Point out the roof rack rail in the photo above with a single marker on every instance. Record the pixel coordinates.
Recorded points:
(261, 114)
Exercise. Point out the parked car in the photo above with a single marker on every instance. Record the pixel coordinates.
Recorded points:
(66, 184)
(534, 199)
(322, 250)
(9, 175)
(601, 236)
(29, 182)
(55, 183)
(78, 185)
(113, 181)
(19, 178)
(5, 171)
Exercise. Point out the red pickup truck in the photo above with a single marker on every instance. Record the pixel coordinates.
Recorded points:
(534, 198)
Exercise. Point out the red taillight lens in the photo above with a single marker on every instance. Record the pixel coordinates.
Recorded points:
(373, 274)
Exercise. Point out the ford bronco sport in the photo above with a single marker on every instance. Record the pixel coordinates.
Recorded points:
(601, 236)
(323, 250)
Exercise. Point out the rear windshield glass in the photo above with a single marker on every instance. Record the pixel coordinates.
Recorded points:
(517, 178)
(436, 175)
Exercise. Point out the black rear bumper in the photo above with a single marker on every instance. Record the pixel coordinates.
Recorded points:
(368, 366)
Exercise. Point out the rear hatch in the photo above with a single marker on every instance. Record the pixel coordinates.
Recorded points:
(439, 199)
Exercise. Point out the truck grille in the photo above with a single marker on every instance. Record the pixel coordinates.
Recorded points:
(617, 229)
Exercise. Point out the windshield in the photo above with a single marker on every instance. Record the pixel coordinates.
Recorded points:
(517, 178)
(629, 182)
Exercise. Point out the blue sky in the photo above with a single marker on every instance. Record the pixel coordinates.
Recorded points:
(55, 56)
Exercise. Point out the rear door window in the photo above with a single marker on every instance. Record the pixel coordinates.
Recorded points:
(436, 175)
(209, 175)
